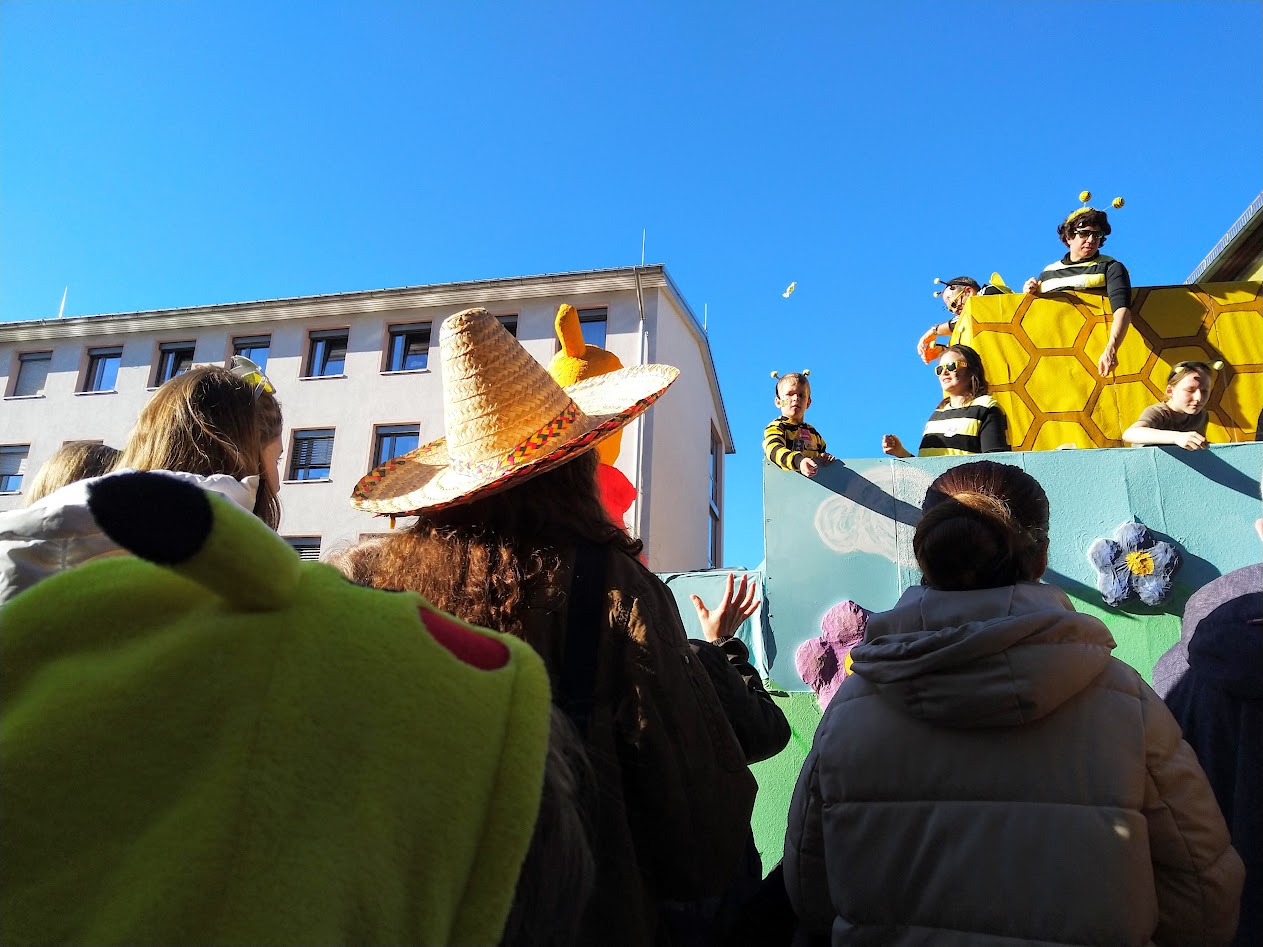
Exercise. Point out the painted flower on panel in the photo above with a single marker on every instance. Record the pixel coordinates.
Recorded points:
(824, 662)
(1134, 562)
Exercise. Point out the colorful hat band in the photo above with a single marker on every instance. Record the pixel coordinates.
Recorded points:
(536, 443)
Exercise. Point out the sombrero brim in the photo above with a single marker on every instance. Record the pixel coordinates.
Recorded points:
(426, 479)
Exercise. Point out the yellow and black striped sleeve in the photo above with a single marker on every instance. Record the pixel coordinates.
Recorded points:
(1100, 272)
(779, 444)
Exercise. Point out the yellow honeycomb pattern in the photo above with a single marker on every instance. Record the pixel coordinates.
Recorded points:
(1040, 353)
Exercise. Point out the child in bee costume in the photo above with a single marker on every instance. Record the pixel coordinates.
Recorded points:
(210, 741)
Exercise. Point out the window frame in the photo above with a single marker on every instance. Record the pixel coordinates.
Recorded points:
(293, 468)
(591, 316)
(240, 342)
(24, 359)
(715, 502)
(401, 332)
(23, 454)
(316, 340)
(168, 360)
(383, 431)
(510, 321)
(98, 355)
(300, 544)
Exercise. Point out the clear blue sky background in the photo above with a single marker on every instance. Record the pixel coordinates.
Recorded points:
(181, 152)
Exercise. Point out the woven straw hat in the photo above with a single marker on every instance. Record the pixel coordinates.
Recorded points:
(506, 420)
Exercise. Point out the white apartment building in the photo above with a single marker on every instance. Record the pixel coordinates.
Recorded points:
(359, 383)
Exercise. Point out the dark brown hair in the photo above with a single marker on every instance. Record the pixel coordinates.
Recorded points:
(983, 525)
(977, 374)
(208, 421)
(1096, 219)
(73, 461)
(480, 560)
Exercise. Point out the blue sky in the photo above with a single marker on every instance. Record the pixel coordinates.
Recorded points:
(180, 152)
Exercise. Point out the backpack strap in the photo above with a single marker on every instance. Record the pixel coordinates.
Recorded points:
(584, 625)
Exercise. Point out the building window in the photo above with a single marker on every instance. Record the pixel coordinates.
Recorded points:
(409, 349)
(393, 440)
(326, 355)
(312, 456)
(592, 324)
(32, 374)
(253, 347)
(307, 547)
(174, 358)
(510, 323)
(102, 371)
(716, 505)
(13, 466)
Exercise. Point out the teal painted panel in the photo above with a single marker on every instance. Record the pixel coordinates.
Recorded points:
(846, 534)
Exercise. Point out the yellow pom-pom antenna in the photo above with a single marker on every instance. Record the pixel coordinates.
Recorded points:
(1117, 202)
(805, 372)
(776, 374)
(1217, 364)
(1085, 196)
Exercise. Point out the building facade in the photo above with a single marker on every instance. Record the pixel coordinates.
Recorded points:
(358, 377)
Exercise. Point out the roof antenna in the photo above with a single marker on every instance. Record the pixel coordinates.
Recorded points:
(643, 233)
(63, 302)
(705, 315)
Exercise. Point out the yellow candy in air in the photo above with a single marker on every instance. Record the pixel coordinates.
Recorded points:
(790, 290)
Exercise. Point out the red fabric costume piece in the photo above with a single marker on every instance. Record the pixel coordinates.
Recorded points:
(617, 492)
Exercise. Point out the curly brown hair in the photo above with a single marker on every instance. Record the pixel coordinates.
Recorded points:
(1096, 219)
(984, 525)
(483, 561)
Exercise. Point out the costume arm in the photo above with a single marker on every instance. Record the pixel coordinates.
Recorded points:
(1118, 286)
(993, 431)
(760, 725)
(1197, 874)
(806, 878)
(689, 793)
(776, 448)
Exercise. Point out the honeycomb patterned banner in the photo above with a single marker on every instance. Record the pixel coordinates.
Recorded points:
(1040, 354)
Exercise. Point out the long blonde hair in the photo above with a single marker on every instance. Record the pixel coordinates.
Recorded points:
(73, 461)
(208, 421)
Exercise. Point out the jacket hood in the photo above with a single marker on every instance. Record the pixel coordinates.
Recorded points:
(984, 658)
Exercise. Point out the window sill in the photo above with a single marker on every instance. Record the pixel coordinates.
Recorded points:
(407, 371)
(104, 391)
(10, 493)
(319, 377)
(23, 397)
(312, 480)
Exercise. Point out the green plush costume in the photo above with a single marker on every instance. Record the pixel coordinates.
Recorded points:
(219, 744)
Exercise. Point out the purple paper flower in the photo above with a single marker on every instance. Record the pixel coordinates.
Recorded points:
(1133, 561)
(824, 662)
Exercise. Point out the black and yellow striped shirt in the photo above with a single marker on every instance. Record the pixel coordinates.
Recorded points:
(786, 443)
(980, 427)
(1100, 272)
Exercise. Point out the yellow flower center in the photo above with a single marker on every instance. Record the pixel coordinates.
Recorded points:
(1140, 563)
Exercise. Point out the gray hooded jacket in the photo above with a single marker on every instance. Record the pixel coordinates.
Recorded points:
(991, 775)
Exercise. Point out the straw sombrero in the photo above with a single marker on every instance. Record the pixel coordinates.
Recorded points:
(506, 420)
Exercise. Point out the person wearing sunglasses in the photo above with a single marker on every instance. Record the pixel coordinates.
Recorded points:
(955, 293)
(1086, 267)
(968, 420)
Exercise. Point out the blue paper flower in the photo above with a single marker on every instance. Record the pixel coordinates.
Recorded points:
(1133, 561)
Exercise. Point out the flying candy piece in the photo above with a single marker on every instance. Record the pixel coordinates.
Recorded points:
(790, 291)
